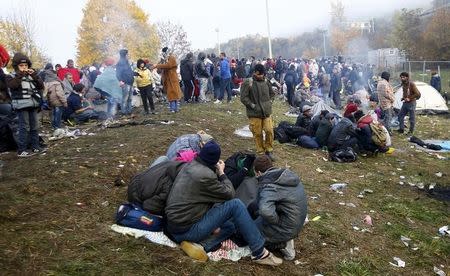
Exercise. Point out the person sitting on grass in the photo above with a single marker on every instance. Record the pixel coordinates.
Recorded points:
(201, 210)
(78, 108)
(188, 142)
(281, 206)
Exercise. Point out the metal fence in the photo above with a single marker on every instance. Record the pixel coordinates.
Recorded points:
(421, 71)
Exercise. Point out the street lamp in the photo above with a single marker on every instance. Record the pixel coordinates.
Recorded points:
(268, 28)
(218, 40)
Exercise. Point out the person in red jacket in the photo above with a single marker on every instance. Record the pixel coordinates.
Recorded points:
(69, 69)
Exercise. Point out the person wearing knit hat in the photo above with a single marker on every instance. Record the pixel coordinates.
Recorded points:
(304, 119)
(257, 96)
(25, 86)
(386, 99)
(186, 142)
(281, 205)
(201, 210)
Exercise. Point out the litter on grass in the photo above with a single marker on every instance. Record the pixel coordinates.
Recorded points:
(444, 231)
(438, 271)
(399, 262)
(338, 186)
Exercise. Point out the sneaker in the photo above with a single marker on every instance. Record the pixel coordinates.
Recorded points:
(194, 250)
(289, 251)
(25, 154)
(39, 150)
(218, 102)
(271, 156)
(269, 259)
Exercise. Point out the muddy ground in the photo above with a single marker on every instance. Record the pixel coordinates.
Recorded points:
(57, 208)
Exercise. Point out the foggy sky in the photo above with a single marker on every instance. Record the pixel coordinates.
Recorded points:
(57, 20)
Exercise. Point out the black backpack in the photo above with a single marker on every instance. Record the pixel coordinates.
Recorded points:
(343, 155)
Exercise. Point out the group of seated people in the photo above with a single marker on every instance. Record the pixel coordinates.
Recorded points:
(205, 200)
(327, 130)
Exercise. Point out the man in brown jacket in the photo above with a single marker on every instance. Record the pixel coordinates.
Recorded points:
(170, 80)
(386, 99)
(410, 95)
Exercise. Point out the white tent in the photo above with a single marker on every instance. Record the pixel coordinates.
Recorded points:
(430, 101)
(321, 105)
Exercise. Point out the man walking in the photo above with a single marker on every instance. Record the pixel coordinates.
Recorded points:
(225, 78)
(125, 76)
(386, 99)
(410, 95)
(257, 96)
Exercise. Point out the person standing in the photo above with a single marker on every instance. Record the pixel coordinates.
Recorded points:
(169, 78)
(335, 88)
(202, 75)
(144, 82)
(225, 78)
(386, 100)
(187, 76)
(125, 76)
(410, 95)
(435, 81)
(291, 79)
(25, 87)
(257, 96)
(55, 96)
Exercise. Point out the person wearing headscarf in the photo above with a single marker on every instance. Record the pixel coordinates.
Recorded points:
(170, 80)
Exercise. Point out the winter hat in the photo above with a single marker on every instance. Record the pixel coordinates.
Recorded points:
(351, 107)
(306, 108)
(385, 75)
(204, 137)
(123, 52)
(109, 61)
(4, 57)
(20, 58)
(262, 163)
(210, 153)
(260, 68)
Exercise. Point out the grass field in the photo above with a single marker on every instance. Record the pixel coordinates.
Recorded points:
(57, 208)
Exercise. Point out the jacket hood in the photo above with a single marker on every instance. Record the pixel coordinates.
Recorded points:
(123, 53)
(20, 58)
(201, 56)
(50, 75)
(282, 177)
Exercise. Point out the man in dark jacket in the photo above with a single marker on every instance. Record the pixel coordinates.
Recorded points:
(335, 88)
(192, 219)
(304, 119)
(187, 76)
(291, 79)
(125, 76)
(282, 205)
(410, 95)
(324, 129)
(257, 96)
(150, 188)
(25, 87)
(202, 75)
(436, 81)
(343, 135)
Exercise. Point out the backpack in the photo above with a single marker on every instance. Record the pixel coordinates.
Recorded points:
(344, 155)
(378, 135)
(131, 215)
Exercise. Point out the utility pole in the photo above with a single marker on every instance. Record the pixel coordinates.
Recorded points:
(268, 28)
(324, 45)
(218, 40)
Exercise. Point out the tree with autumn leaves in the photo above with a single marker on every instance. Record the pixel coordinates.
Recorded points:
(110, 25)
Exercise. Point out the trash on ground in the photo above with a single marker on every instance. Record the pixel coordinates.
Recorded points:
(444, 231)
(400, 262)
(338, 186)
(319, 170)
(167, 122)
(298, 262)
(368, 220)
(405, 240)
(438, 271)
(402, 177)
(438, 174)
(316, 218)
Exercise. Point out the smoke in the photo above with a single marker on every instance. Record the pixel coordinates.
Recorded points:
(357, 49)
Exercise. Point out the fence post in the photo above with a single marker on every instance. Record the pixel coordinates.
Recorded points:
(409, 68)
(439, 70)
(423, 72)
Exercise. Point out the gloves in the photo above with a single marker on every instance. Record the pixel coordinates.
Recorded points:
(248, 162)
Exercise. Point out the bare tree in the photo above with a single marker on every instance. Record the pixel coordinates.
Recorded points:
(173, 36)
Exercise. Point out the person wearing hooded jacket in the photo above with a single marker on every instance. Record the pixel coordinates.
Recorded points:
(187, 76)
(144, 83)
(24, 86)
(125, 76)
(281, 206)
(202, 75)
(55, 95)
